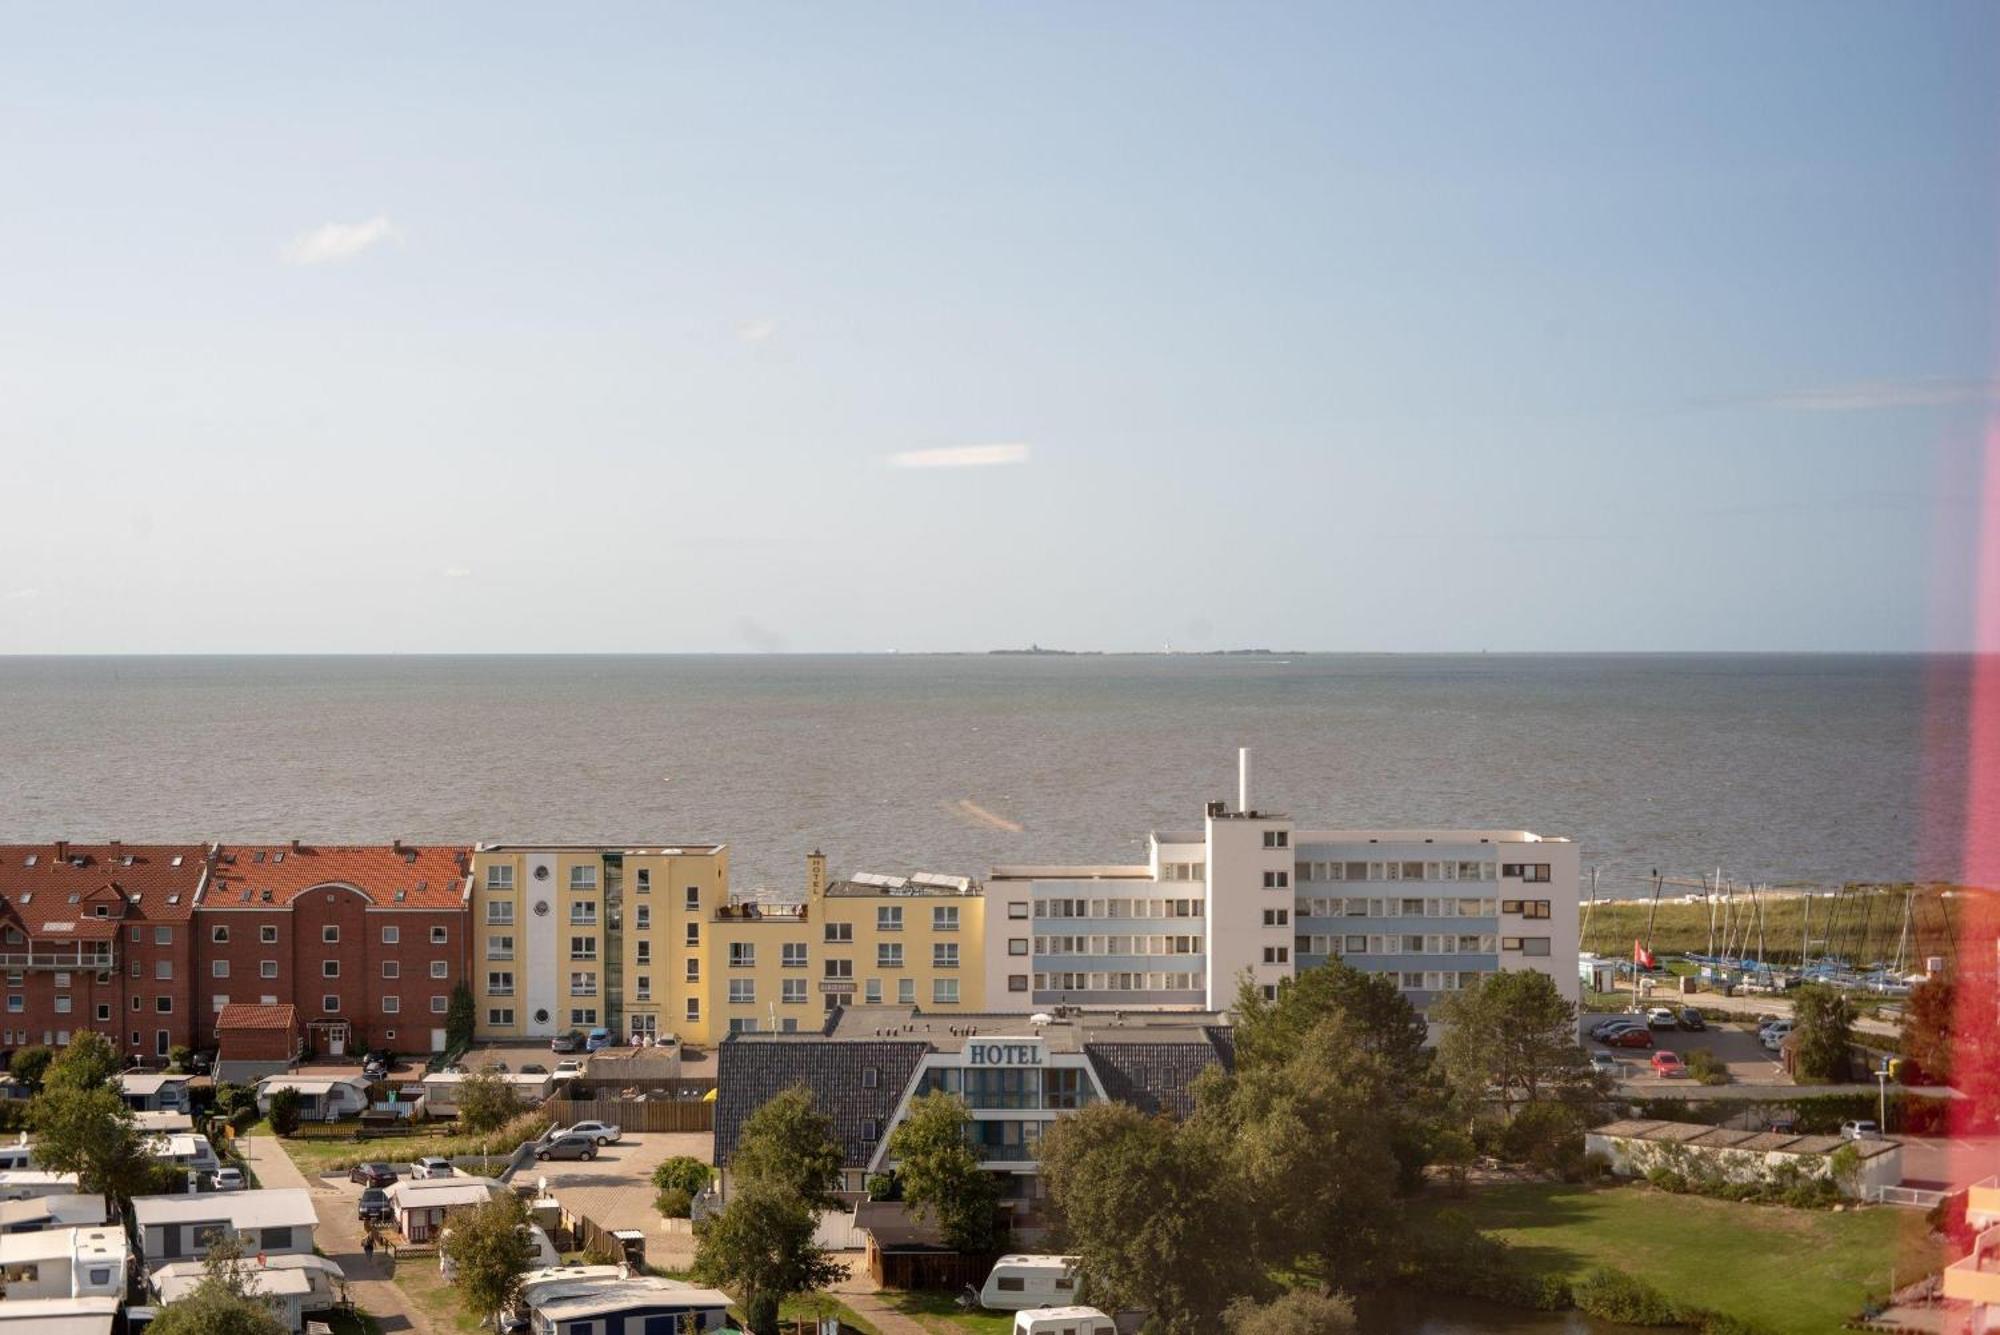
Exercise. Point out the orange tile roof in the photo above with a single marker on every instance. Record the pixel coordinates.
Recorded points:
(427, 877)
(160, 880)
(249, 1015)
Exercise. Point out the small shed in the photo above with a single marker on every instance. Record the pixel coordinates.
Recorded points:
(154, 1091)
(327, 1098)
(440, 1089)
(421, 1203)
(253, 1041)
(904, 1252)
(1634, 1147)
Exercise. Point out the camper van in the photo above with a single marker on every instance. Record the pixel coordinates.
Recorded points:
(1020, 1282)
(1064, 1321)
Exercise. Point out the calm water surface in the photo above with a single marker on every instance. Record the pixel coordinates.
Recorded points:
(1777, 768)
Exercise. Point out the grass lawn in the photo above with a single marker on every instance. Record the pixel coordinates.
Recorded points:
(818, 1305)
(1799, 1271)
(941, 1312)
(420, 1281)
(346, 1324)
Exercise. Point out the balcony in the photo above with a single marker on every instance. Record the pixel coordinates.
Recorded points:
(758, 912)
(75, 957)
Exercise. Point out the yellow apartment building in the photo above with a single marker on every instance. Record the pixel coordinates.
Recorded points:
(584, 937)
(860, 940)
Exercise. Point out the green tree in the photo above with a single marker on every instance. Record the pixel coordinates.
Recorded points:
(1822, 1034)
(1154, 1214)
(489, 1250)
(684, 1171)
(220, 1303)
(486, 1101)
(1512, 1034)
(791, 1143)
(940, 1173)
(82, 1125)
(1300, 1312)
(461, 1017)
(179, 1056)
(88, 1062)
(30, 1065)
(760, 1248)
(286, 1108)
(1309, 1143)
(1930, 1022)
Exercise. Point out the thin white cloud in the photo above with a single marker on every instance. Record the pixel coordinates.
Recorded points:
(962, 456)
(455, 572)
(20, 595)
(1868, 395)
(333, 242)
(755, 331)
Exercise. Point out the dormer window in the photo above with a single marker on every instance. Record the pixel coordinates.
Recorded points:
(870, 1077)
(103, 910)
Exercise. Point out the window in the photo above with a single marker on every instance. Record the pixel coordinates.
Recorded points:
(62, 1005)
(1017, 945)
(1277, 917)
(580, 1015)
(391, 1005)
(163, 936)
(840, 968)
(268, 935)
(693, 1011)
(329, 1003)
(267, 968)
(390, 969)
(583, 947)
(1017, 982)
(889, 955)
(583, 913)
(793, 955)
(643, 880)
(743, 1025)
(742, 954)
(944, 991)
(889, 918)
(1525, 871)
(329, 934)
(1534, 945)
(218, 969)
(500, 947)
(439, 1005)
(944, 955)
(694, 933)
(440, 968)
(693, 901)
(392, 936)
(500, 913)
(500, 878)
(839, 933)
(645, 952)
(17, 1003)
(1277, 954)
(694, 969)
(583, 877)
(440, 936)
(220, 936)
(871, 992)
(1277, 838)
(103, 1012)
(944, 918)
(642, 918)
(792, 991)
(743, 991)
(500, 982)
(1017, 909)
(906, 991)
(583, 983)
(163, 969)
(645, 985)
(500, 1017)
(329, 969)
(1277, 880)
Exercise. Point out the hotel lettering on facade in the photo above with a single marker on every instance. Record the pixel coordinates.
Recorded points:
(148, 943)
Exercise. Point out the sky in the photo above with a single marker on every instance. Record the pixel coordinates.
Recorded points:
(837, 328)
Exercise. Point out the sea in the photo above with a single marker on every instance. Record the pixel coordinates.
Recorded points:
(1775, 769)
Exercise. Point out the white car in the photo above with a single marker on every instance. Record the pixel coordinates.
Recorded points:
(429, 1167)
(231, 1179)
(603, 1133)
(568, 1068)
(1660, 1017)
(1773, 1035)
(1865, 1129)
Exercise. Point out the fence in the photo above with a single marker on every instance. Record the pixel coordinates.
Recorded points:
(1915, 1197)
(637, 1114)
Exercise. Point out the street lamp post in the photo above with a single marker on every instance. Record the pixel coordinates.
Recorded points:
(1882, 1099)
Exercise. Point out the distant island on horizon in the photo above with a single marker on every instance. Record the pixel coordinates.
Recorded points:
(1037, 651)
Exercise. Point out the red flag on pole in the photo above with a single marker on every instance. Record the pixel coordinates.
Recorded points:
(1642, 956)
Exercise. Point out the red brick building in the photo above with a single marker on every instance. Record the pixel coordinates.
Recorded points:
(99, 936)
(367, 942)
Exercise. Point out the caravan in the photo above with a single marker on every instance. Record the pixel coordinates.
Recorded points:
(1022, 1281)
(1064, 1321)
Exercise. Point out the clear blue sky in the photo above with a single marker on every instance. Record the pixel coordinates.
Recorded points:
(1515, 327)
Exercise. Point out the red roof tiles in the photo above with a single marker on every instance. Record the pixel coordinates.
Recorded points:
(247, 1015)
(391, 876)
(37, 880)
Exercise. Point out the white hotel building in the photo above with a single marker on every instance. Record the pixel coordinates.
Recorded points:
(1252, 892)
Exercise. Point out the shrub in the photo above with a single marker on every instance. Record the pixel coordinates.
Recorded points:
(286, 1110)
(1454, 1257)
(528, 1126)
(1617, 1296)
(1548, 1136)
(689, 1174)
(179, 1056)
(882, 1187)
(1704, 1067)
(674, 1203)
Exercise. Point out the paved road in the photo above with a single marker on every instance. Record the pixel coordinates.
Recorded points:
(339, 1237)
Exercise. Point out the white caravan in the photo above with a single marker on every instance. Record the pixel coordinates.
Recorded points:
(1023, 1281)
(1064, 1321)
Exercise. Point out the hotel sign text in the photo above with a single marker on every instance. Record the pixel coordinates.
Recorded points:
(1004, 1052)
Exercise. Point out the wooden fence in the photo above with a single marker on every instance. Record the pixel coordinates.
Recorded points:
(637, 1114)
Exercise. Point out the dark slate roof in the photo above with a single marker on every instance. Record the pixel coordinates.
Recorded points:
(750, 1074)
(1158, 1077)
(895, 1230)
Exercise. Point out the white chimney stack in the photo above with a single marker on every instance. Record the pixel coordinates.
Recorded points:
(1243, 780)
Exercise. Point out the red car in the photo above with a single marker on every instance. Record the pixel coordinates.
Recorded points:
(1668, 1064)
(1630, 1038)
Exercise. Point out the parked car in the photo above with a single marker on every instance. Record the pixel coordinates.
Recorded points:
(1774, 1037)
(1598, 1029)
(1610, 1032)
(1661, 1017)
(533, 1068)
(1667, 1065)
(374, 1205)
(228, 1179)
(1865, 1129)
(1691, 1019)
(1785, 1124)
(1603, 1063)
(599, 1038)
(1783, 1022)
(375, 1066)
(430, 1166)
(201, 1063)
(598, 1133)
(566, 1147)
(1636, 1037)
(568, 1067)
(569, 1042)
(372, 1174)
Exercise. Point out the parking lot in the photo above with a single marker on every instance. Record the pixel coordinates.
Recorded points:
(1735, 1045)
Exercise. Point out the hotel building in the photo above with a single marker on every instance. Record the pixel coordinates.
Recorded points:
(1253, 894)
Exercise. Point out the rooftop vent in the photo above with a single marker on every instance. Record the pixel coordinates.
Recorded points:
(177, 860)
(173, 899)
(30, 861)
(258, 856)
